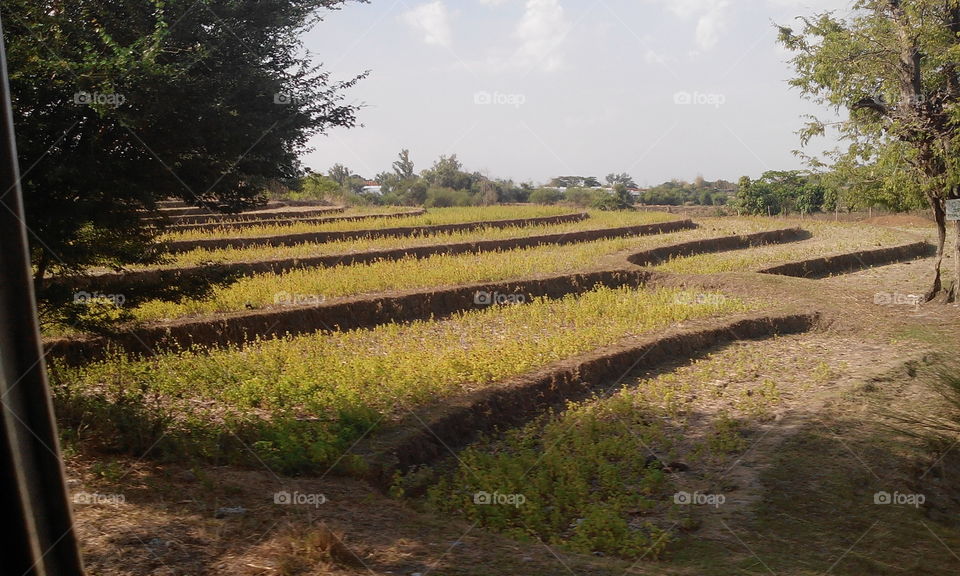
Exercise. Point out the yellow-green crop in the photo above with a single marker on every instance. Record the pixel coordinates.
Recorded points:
(433, 217)
(305, 399)
(827, 239)
(319, 284)
(592, 478)
(258, 253)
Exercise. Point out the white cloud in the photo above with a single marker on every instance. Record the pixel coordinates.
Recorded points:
(651, 56)
(711, 25)
(541, 32)
(711, 19)
(686, 8)
(433, 21)
(493, 2)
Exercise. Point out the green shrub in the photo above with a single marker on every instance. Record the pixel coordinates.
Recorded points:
(583, 197)
(619, 199)
(445, 197)
(546, 196)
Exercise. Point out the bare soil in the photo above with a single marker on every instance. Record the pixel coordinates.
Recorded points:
(901, 221)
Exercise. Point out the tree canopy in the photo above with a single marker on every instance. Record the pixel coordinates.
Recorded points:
(893, 67)
(121, 103)
(780, 192)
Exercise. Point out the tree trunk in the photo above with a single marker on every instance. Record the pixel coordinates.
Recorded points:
(955, 291)
(38, 277)
(940, 215)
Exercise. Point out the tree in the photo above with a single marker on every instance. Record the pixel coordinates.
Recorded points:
(811, 197)
(487, 191)
(779, 192)
(894, 65)
(403, 167)
(321, 187)
(119, 104)
(339, 174)
(447, 172)
(620, 199)
(756, 197)
(623, 178)
(574, 182)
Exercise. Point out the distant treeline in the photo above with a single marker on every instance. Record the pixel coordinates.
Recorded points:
(447, 183)
(700, 192)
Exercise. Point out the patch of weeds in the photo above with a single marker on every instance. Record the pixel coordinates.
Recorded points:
(726, 437)
(579, 480)
(757, 401)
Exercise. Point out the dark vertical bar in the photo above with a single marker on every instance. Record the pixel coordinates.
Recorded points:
(32, 489)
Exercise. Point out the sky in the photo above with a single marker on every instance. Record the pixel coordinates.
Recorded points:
(532, 89)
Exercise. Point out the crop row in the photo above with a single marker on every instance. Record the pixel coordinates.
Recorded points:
(314, 285)
(193, 216)
(433, 217)
(306, 285)
(285, 219)
(176, 283)
(299, 402)
(828, 239)
(312, 249)
(396, 231)
(342, 314)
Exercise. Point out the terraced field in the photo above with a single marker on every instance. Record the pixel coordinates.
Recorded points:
(622, 404)
(439, 270)
(435, 217)
(597, 220)
(826, 240)
(343, 384)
